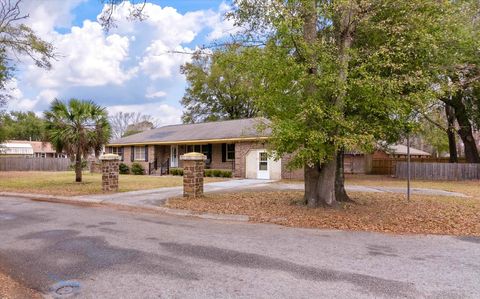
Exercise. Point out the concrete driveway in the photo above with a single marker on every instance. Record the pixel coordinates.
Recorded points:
(157, 197)
(103, 253)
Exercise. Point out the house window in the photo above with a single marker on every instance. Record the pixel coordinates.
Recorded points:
(116, 151)
(139, 153)
(231, 152)
(205, 149)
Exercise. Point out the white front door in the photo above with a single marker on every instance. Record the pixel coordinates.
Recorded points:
(262, 166)
(174, 156)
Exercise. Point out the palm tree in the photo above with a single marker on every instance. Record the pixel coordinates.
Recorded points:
(77, 128)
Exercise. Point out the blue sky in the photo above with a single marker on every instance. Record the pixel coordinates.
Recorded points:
(128, 69)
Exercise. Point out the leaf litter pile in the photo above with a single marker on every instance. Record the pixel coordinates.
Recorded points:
(380, 212)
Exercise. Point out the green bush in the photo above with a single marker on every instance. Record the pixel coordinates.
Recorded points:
(218, 173)
(123, 168)
(137, 169)
(176, 171)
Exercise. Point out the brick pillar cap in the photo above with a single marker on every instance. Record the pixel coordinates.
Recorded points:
(193, 156)
(109, 157)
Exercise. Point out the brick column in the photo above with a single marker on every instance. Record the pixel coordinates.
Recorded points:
(193, 171)
(110, 163)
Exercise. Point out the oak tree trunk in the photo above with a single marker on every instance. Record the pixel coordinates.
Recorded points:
(452, 141)
(320, 184)
(465, 132)
(340, 192)
(78, 167)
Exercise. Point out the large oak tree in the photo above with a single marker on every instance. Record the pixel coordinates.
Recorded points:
(337, 75)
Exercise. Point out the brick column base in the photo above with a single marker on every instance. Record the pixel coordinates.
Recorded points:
(110, 163)
(193, 172)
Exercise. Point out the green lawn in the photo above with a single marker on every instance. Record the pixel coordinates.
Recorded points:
(63, 183)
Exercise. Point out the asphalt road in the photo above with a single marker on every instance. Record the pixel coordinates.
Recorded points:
(103, 253)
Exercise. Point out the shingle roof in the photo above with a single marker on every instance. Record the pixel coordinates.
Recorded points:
(400, 149)
(226, 130)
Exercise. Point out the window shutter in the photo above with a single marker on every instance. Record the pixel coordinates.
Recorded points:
(146, 153)
(224, 152)
(132, 153)
(209, 152)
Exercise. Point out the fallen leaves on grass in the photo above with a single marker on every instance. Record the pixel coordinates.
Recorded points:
(383, 212)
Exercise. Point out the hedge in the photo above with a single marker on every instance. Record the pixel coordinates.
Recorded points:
(218, 173)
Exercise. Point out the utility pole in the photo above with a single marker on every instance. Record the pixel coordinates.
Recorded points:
(408, 166)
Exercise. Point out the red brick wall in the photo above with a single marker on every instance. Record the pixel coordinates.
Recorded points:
(241, 150)
(217, 158)
(295, 174)
(127, 157)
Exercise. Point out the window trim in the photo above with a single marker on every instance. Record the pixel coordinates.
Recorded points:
(137, 150)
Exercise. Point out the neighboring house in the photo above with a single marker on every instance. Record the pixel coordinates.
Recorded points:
(399, 151)
(16, 149)
(234, 145)
(361, 163)
(25, 148)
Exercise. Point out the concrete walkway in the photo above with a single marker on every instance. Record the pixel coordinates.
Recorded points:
(157, 197)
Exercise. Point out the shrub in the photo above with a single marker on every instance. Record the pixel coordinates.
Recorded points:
(176, 171)
(227, 174)
(123, 168)
(219, 173)
(137, 169)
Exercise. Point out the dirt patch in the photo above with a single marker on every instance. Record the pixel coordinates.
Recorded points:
(10, 289)
(381, 212)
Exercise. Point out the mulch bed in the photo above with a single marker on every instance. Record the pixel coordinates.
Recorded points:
(380, 212)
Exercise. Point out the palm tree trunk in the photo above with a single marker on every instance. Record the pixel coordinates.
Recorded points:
(78, 167)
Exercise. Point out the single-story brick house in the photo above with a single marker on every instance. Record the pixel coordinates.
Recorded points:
(235, 145)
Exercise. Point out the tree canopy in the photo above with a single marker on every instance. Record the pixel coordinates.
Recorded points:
(335, 75)
(78, 128)
(18, 125)
(218, 88)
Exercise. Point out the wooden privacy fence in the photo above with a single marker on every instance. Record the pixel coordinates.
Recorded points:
(33, 164)
(387, 166)
(439, 171)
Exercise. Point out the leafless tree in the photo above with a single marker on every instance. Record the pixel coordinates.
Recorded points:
(120, 122)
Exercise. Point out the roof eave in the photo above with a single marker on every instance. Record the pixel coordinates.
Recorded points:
(196, 141)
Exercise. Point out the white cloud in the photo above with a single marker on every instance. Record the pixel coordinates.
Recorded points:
(152, 94)
(46, 15)
(160, 62)
(19, 102)
(164, 113)
(136, 57)
(86, 58)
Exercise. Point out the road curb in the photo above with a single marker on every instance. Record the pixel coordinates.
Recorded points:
(124, 207)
